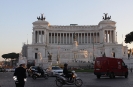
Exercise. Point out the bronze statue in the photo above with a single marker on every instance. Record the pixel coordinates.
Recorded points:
(41, 18)
(74, 36)
(106, 18)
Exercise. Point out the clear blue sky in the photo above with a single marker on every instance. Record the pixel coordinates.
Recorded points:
(16, 17)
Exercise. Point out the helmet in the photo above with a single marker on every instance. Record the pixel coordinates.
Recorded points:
(65, 65)
(21, 62)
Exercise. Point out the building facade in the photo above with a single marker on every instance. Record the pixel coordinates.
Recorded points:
(73, 43)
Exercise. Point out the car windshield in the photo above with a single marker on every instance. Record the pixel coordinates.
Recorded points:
(56, 68)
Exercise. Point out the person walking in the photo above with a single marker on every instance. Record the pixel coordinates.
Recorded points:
(20, 74)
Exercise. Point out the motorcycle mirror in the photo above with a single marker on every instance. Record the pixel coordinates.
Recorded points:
(32, 69)
(73, 71)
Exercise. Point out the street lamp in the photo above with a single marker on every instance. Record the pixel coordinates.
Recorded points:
(129, 51)
(58, 58)
(93, 49)
(58, 55)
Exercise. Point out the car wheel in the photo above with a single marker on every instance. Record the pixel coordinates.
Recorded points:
(98, 76)
(111, 75)
(28, 74)
(126, 75)
(52, 74)
(46, 76)
(34, 77)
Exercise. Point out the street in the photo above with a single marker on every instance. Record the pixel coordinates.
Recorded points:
(89, 80)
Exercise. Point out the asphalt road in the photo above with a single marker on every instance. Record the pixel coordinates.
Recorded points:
(89, 80)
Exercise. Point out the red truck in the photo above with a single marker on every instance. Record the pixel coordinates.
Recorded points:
(106, 66)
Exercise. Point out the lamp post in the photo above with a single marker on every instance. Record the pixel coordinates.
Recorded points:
(129, 51)
(58, 56)
(93, 49)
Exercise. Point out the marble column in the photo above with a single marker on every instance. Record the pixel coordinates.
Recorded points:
(54, 38)
(60, 39)
(90, 37)
(57, 38)
(78, 37)
(72, 37)
(63, 38)
(96, 37)
(106, 36)
(69, 38)
(113, 36)
(41, 37)
(51, 38)
(104, 33)
(37, 36)
(34, 35)
(81, 38)
(66, 37)
(84, 38)
(93, 37)
(87, 38)
(110, 36)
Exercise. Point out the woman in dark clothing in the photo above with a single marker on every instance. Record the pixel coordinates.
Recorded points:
(20, 74)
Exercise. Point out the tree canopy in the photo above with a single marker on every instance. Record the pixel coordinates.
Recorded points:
(129, 38)
(10, 56)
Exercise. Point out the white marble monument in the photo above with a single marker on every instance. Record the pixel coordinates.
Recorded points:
(91, 41)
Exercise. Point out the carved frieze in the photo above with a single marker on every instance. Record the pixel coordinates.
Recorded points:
(39, 27)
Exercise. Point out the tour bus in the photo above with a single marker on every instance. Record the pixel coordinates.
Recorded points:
(111, 67)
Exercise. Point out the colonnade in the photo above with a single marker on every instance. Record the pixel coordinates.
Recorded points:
(109, 36)
(38, 36)
(67, 38)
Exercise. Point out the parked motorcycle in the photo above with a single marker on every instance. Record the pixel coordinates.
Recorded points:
(63, 80)
(39, 75)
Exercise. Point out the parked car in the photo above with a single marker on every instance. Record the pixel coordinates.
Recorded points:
(13, 70)
(2, 70)
(55, 70)
(8, 70)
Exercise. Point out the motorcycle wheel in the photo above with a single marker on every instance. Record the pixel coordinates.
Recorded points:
(59, 83)
(34, 77)
(46, 76)
(78, 82)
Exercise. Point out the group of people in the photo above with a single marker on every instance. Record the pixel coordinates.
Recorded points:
(20, 74)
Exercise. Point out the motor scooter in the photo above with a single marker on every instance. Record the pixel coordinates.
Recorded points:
(63, 80)
(36, 74)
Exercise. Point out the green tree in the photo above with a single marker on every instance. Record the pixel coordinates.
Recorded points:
(12, 56)
(129, 38)
(5, 56)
